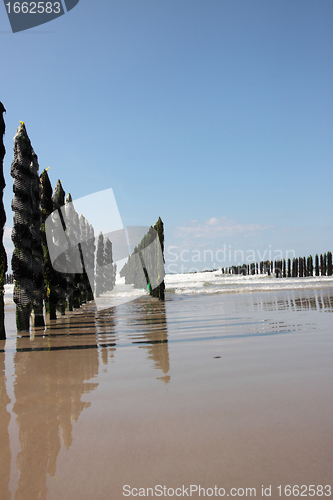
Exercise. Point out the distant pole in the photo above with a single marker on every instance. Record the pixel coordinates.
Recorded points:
(300, 265)
(329, 263)
(317, 265)
(325, 264)
(310, 266)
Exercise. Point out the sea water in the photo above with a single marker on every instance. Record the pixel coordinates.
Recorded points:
(227, 383)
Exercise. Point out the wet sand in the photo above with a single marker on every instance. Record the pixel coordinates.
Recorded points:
(233, 391)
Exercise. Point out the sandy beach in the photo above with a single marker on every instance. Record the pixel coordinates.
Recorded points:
(226, 392)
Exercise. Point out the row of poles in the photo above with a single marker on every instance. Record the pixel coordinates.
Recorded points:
(35, 279)
(298, 267)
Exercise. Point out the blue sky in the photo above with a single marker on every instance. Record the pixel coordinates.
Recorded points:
(216, 116)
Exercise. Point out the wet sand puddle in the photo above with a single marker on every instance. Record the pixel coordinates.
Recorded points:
(233, 391)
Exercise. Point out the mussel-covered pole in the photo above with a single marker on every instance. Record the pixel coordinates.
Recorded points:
(145, 267)
(37, 251)
(27, 261)
(89, 266)
(21, 235)
(99, 265)
(91, 261)
(3, 257)
(86, 293)
(108, 266)
(78, 276)
(50, 277)
(160, 290)
(58, 200)
(73, 257)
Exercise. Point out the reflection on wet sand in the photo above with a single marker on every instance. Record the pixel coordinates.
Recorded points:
(53, 370)
(212, 402)
(105, 329)
(157, 336)
(320, 300)
(5, 454)
(144, 323)
(48, 391)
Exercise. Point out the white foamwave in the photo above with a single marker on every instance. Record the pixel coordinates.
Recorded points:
(215, 282)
